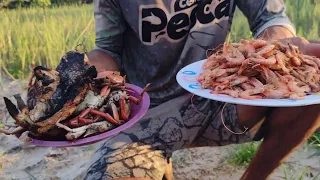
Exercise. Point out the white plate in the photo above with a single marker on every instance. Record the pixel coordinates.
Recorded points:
(187, 78)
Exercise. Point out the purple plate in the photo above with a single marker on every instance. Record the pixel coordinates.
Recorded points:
(137, 112)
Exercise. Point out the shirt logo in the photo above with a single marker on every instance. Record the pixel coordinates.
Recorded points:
(155, 22)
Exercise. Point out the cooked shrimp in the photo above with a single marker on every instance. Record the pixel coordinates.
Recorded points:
(259, 43)
(254, 69)
(210, 65)
(232, 70)
(293, 86)
(296, 96)
(235, 57)
(246, 86)
(228, 78)
(310, 62)
(247, 49)
(295, 61)
(274, 94)
(250, 94)
(316, 60)
(232, 93)
(239, 80)
(217, 72)
(264, 50)
(256, 83)
(280, 57)
(271, 60)
(247, 41)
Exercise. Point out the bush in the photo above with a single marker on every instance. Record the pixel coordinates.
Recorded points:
(40, 3)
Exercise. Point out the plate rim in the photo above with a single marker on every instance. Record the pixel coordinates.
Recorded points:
(240, 101)
(103, 136)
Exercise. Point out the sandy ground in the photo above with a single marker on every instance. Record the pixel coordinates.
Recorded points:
(20, 161)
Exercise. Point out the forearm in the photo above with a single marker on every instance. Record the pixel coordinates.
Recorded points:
(276, 33)
(102, 61)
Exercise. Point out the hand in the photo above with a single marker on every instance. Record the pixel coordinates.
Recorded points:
(300, 42)
(311, 48)
(102, 61)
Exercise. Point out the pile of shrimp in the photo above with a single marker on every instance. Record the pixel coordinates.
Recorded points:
(258, 69)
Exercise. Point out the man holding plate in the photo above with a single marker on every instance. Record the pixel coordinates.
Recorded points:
(150, 41)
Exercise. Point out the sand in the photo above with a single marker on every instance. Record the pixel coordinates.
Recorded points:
(21, 161)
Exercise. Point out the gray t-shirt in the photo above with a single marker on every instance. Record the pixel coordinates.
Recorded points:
(151, 40)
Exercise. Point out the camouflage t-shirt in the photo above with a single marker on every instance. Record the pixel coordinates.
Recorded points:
(151, 40)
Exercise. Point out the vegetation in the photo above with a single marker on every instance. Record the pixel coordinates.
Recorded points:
(42, 36)
(314, 141)
(304, 173)
(17, 4)
(243, 154)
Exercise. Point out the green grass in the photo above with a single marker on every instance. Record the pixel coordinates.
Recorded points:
(314, 142)
(305, 172)
(42, 36)
(243, 154)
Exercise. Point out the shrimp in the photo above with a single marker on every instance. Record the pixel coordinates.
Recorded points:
(310, 62)
(293, 86)
(232, 93)
(250, 94)
(270, 61)
(295, 61)
(235, 57)
(244, 66)
(210, 65)
(239, 80)
(269, 75)
(247, 49)
(297, 75)
(280, 57)
(286, 78)
(246, 86)
(316, 60)
(247, 41)
(256, 83)
(254, 69)
(259, 43)
(264, 50)
(228, 78)
(216, 73)
(296, 96)
(274, 94)
(232, 70)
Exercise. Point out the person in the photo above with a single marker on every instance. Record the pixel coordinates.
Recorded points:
(150, 41)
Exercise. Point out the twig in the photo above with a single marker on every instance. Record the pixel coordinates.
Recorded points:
(6, 71)
(82, 33)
